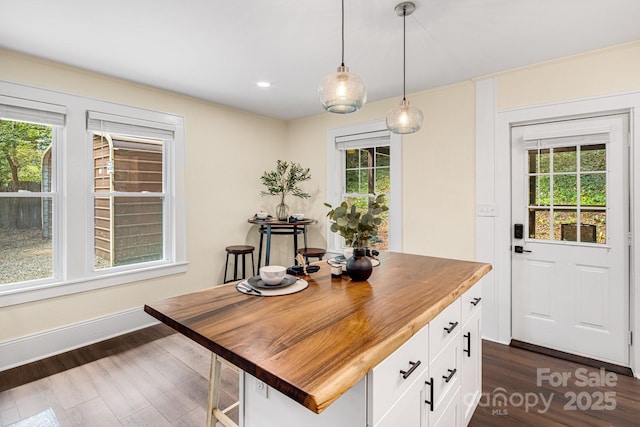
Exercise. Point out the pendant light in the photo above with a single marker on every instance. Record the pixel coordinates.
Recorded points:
(405, 118)
(342, 92)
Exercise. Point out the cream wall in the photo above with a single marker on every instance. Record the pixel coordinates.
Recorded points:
(223, 164)
(598, 73)
(438, 169)
(227, 151)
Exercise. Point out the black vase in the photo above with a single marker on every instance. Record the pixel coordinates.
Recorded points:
(359, 266)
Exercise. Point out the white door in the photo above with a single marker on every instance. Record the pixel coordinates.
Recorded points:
(570, 257)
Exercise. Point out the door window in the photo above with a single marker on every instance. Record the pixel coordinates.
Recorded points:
(568, 193)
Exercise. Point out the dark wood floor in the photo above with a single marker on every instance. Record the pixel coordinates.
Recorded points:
(155, 377)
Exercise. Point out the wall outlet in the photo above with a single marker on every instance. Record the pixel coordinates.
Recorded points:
(262, 389)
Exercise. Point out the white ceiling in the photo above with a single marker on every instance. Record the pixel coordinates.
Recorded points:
(218, 50)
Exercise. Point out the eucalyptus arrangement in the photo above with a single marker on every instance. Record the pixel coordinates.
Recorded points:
(285, 179)
(358, 228)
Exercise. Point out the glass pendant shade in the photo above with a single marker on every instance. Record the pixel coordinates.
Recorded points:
(405, 118)
(342, 92)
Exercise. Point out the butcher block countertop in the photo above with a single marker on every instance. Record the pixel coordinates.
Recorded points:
(316, 344)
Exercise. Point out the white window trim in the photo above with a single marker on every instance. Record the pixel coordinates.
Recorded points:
(334, 179)
(73, 277)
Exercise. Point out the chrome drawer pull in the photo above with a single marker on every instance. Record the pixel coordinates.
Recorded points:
(468, 349)
(475, 301)
(431, 400)
(451, 327)
(451, 374)
(414, 365)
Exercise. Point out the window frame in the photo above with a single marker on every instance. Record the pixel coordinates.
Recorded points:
(335, 177)
(73, 213)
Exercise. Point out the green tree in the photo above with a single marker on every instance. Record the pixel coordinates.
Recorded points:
(21, 148)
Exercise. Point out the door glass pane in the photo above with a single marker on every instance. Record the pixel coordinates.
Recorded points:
(593, 158)
(539, 190)
(565, 190)
(539, 224)
(597, 219)
(539, 161)
(564, 159)
(26, 250)
(593, 189)
(565, 225)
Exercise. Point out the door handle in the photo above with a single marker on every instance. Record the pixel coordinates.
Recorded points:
(520, 250)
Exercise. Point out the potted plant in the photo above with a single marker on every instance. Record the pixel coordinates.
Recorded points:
(358, 229)
(285, 180)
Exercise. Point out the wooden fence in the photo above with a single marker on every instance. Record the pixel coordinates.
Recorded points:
(21, 212)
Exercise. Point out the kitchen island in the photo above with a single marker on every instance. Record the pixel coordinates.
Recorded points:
(320, 345)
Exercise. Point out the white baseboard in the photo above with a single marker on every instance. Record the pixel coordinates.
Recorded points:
(39, 346)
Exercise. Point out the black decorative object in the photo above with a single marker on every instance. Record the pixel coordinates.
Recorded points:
(359, 266)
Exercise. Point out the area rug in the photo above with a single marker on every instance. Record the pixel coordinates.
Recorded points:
(46, 418)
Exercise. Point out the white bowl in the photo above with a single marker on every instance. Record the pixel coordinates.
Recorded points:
(298, 216)
(262, 215)
(272, 274)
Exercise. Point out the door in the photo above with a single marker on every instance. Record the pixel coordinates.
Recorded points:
(570, 256)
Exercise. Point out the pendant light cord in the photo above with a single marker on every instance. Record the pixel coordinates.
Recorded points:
(343, 33)
(404, 52)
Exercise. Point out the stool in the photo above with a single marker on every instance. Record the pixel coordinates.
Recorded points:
(235, 251)
(215, 414)
(312, 252)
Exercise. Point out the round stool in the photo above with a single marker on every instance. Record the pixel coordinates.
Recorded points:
(237, 250)
(312, 253)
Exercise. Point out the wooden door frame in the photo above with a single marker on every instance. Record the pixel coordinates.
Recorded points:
(493, 197)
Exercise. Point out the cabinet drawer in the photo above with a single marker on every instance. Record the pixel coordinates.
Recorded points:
(387, 382)
(444, 328)
(444, 378)
(471, 301)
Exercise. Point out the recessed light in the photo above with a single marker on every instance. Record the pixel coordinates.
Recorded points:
(263, 84)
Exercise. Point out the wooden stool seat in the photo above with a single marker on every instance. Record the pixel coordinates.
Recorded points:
(237, 250)
(312, 253)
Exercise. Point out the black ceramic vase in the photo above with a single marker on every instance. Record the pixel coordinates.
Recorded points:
(359, 266)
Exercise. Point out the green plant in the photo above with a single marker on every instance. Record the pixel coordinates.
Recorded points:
(285, 179)
(357, 227)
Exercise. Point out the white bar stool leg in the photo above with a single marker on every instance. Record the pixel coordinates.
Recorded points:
(214, 413)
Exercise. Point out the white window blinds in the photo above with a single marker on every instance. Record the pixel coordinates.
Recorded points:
(23, 110)
(110, 123)
(363, 140)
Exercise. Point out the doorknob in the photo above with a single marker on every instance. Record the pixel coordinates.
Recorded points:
(520, 250)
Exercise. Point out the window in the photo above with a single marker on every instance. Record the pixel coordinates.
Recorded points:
(89, 181)
(28, 192)
(364, 160)
(568, 192)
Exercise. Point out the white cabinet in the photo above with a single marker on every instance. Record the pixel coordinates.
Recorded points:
(433, 380)
(444, 365)
(408, 410)
(471, 357)
(389, 381)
